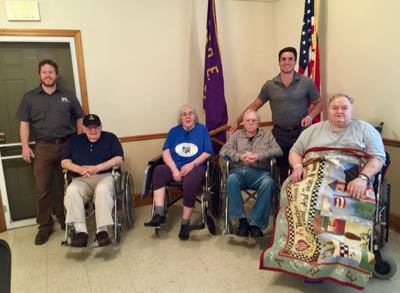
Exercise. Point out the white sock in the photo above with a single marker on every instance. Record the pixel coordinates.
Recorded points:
(80, 227)
(102, 228)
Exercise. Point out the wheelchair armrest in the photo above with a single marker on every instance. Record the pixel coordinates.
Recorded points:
(274, 169)
(148, 175)
(115, 169)
(156, 161)
(67, 177)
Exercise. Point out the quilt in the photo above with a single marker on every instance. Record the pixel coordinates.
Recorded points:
(321, 233)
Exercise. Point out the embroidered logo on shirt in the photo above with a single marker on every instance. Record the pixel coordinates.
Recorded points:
(186, 149)
(64, 100)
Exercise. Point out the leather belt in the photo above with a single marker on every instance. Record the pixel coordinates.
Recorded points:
(58, 140)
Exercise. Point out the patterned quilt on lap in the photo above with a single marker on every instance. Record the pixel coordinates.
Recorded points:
(322, 233)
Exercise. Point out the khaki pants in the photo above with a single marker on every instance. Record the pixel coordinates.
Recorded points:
(100, 189)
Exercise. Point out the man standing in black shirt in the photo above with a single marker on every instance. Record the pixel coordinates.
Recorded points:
(49, 114)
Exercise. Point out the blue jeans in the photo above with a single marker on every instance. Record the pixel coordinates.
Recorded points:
(242, 178)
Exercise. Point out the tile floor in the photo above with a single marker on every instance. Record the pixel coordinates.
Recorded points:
(144, 262)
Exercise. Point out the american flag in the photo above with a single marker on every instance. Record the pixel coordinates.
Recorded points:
(309, 49)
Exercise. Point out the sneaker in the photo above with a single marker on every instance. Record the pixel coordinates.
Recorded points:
(156, 221)
(256, 231)
(184, 232)
(243, 229)
(103, 239)
(43, 235)
(79, 240)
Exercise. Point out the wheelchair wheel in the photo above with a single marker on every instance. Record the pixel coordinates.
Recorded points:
(118, 233)
(215, 202)
(384, 269)
(211, 225)
(127, 202)
(384, 213)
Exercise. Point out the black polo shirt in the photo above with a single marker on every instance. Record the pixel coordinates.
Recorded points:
(50, 116)
(83, 152)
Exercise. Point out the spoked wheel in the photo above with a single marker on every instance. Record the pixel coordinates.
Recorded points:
(215, 203)
(127, 202)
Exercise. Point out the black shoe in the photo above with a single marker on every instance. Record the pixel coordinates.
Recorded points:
(256, 231)
(156, 221)
(79, 240)
(184, 232)
(43, 235)
(243, 229)
(103, 239)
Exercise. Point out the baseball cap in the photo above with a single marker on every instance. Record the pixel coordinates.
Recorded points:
(91, 120)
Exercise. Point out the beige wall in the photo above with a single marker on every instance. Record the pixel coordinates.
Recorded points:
(144, 58)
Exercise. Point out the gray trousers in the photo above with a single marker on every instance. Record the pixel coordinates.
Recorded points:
(100, 189)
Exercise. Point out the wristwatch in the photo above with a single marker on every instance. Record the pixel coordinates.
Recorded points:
(363, 176)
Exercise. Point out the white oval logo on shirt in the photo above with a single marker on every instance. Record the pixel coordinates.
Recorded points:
(186, 149)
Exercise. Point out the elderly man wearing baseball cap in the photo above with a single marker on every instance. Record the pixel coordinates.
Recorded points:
(90, 157)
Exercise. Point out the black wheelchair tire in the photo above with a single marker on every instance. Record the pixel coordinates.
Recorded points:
(385, 202)
(385, 269)
(127, 198)
(211, 225)
(215, 201)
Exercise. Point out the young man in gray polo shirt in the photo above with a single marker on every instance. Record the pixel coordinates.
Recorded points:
(50, 114)
(289, 94)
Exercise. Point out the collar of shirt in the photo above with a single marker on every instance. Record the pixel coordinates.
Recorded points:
(39, 89)
(277, 79)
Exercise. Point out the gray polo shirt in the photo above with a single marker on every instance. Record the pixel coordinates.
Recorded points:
(289, 104)
(50, 116)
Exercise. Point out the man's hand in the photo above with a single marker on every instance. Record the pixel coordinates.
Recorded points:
(306, 121)
(248, 158)
(89, 171)
(299, 172)
(27, 154)
(357, 187)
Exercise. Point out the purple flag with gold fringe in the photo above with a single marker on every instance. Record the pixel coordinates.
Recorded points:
(214, 103)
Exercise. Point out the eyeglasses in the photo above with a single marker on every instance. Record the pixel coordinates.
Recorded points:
(187, 114)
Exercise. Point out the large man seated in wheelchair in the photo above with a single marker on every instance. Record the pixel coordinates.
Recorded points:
(185, 152)
(90, 157)
(325, 227)
(249, 151)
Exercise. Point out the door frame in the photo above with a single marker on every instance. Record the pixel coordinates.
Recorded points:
(73, 37)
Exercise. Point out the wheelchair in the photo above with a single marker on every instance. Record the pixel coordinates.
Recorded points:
(209, 197)
(385, 267)
(123, 211)
(5, 267)
(249, 194)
